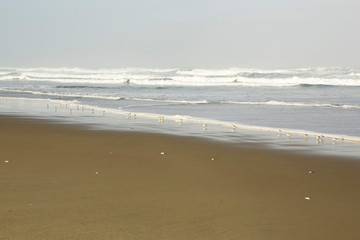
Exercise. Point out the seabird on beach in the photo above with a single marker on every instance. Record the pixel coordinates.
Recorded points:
(161, 119)
(319, 138)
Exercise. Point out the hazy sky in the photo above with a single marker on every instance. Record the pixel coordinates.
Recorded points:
(179, 33)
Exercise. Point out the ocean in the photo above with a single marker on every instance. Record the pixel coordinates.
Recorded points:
(296, 108)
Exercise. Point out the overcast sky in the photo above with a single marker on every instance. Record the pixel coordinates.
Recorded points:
(179, 33)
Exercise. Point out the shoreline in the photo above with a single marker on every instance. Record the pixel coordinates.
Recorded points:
(65, 181)
(69, 112)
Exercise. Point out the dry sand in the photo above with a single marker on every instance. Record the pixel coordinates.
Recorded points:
(59, 182)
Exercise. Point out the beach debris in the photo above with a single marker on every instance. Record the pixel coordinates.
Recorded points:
(162, 153)
(6, 161)
(212, 159)
(96, 173)
(310, 172)
(307, 198)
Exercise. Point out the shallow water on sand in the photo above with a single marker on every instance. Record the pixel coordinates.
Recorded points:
(69, 112)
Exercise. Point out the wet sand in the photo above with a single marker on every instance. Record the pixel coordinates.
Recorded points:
(66, 182)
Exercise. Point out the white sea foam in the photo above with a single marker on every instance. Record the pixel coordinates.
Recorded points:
(163, 100)
(192, 77)
(297, 104)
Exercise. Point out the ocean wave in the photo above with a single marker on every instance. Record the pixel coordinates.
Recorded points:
(192, 77)
(296, 104)
(177, 101)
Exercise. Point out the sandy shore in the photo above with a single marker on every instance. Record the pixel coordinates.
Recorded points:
(60, 182)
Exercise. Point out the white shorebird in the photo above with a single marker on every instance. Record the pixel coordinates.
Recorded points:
(233, 128)
(204, 126)
(161, 119)
(305, 137)
(319, 138)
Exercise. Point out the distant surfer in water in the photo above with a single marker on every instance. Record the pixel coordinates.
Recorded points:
(237, 78)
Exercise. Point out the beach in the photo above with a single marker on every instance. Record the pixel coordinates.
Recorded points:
(63, 181)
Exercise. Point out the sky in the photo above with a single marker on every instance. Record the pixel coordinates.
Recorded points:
(179, 33)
